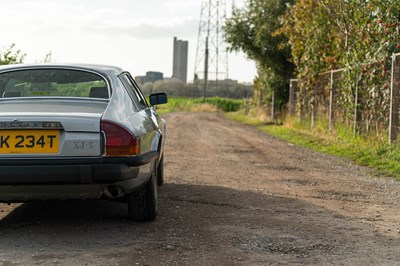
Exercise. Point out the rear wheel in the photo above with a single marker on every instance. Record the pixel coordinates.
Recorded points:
(160, 172)
(142, 204)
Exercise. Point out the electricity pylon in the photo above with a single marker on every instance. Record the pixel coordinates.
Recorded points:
(211, 55)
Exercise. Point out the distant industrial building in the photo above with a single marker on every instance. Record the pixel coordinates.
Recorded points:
(140, 80)
(180, 61)
(151, 76)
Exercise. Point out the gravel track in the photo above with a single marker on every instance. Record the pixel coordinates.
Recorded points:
(233, 196)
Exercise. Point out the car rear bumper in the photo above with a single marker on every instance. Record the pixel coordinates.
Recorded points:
(24, 193)
(94, 170)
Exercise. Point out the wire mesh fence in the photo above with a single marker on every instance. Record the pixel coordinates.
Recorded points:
(366, 99)
(321, 102)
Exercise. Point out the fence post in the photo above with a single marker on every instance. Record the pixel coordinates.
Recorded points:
(273, 106)
(303, 104)
(331, 103)
(394, 107)
(314, 107)
(355, 108)
(292, 97)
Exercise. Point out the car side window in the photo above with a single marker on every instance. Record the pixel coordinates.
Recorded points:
(136, 97)
(143, 99)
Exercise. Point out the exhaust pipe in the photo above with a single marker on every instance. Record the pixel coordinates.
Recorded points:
(113, 191)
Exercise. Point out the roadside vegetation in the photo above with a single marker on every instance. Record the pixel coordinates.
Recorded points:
(302, 38)
(215, 104)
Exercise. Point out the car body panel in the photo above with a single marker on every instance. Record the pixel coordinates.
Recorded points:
(80, 122)
(80, 165)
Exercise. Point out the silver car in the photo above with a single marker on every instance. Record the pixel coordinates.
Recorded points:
(79, 132)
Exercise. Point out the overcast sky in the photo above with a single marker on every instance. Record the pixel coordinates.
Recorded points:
(134, 34)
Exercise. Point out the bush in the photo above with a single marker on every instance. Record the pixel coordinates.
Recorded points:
(223, 104)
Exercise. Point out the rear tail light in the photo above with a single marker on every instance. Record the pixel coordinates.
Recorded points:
(119, 140)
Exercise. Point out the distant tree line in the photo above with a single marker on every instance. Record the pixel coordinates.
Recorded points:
(177, 88)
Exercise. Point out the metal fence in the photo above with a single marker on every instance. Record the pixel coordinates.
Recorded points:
(367, 105)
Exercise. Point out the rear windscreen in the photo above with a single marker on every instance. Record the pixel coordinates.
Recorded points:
(52, 83)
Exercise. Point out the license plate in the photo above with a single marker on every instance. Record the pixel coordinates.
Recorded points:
(29, 141)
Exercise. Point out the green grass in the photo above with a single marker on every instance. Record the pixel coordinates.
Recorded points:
(215, 104)
(175, 105)
(365, 151)
(223, 104)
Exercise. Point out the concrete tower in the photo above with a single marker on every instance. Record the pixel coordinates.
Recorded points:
(179, 70)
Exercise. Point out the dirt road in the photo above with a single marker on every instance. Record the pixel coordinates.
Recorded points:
(233, 196)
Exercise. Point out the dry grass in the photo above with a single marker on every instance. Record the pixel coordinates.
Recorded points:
(204, 107)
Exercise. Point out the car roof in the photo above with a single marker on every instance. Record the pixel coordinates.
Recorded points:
(101, 69)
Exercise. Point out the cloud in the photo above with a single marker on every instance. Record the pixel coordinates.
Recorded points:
(146, 29)
(177, 6)
(54, 18)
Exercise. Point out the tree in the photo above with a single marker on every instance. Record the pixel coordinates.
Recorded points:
(356, 35)
(172, 87)
(48, 58)
(11, 56)
(251, 30)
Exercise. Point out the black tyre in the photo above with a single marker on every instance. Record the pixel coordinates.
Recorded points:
(160, 172)
(142, 204)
